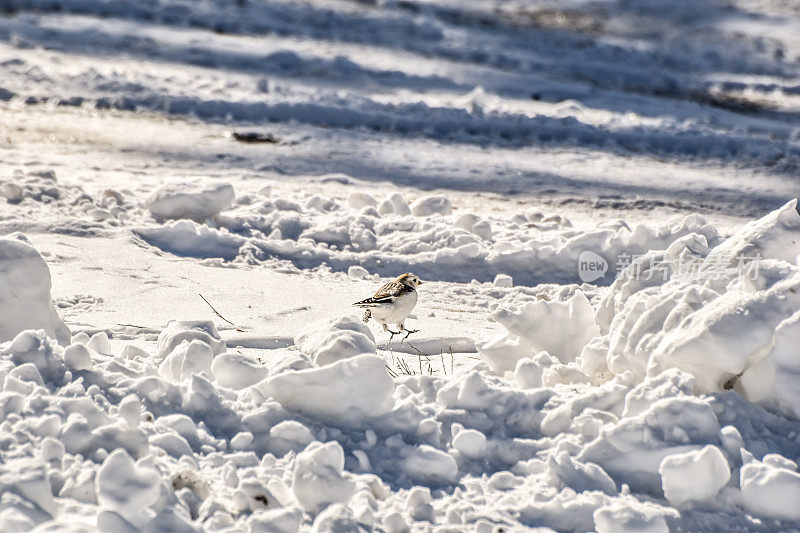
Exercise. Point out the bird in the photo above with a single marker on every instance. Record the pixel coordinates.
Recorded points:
(392, 303)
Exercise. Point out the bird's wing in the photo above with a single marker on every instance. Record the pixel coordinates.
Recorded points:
(386, 294)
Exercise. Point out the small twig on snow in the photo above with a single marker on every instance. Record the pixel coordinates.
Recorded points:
(238, 328)
(452, 361)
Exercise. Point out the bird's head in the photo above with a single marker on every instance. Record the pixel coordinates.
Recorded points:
(410, 279)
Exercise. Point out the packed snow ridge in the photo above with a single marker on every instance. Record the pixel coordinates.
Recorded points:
(669, 399)
(385, 236)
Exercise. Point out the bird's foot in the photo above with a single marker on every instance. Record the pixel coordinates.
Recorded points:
(409, 332)
(367, 315)
(393, 333)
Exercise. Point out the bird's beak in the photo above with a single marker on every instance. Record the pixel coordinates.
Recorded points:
(419, 282)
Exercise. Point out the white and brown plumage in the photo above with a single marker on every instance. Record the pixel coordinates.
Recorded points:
(392, 303)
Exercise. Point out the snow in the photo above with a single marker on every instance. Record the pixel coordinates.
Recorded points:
(598, 199)
(184, 237)
(427, 464)
(25, 292)
(178, 332)
(470, 443)
(317, 477)
(236, 371)
(694, 476)
(289, 435)
(429, 205)
(503, 280)
(77, 357)
(125, 487)
(340, 339)
(530, 331)
(770, 491)
(188, 358)
(734, 317)
(629, 519)
(191, 200)
(347, 390)
(357, 272)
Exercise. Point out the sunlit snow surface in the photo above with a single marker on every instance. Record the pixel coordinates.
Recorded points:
(597, 195)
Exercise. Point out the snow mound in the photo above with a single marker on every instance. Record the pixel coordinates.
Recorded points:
(473, 224)
(437, 244)
(350, 389)
(503, 280)
(470, 443)
(431, 205)
(36, 358)
(289, 435)
(25, 292)
(179, 331)
(186, 359)
(77, 356)
(428, 464)
(125, 487)
(770, 491)
(357, 272)
(697, 475)
(237, 371)
(726, 315)
(360, 200)
(633, 517)
(532, 330)
(632, 450)
(339, 339)
(394, 204)
(318, 477)
(773, 379)
(196, 201)
(189, 239)
(28, 480)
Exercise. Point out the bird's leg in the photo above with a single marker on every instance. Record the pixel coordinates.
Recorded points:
(393, 333)
(408, 331)
(367, 315)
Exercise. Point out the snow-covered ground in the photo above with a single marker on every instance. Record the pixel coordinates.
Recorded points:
(598, 196)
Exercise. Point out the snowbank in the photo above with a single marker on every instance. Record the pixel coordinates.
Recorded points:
(25, 292)
(726, 315)
(311, 231)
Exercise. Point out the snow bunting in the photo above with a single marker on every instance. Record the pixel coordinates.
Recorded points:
(392, 303)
